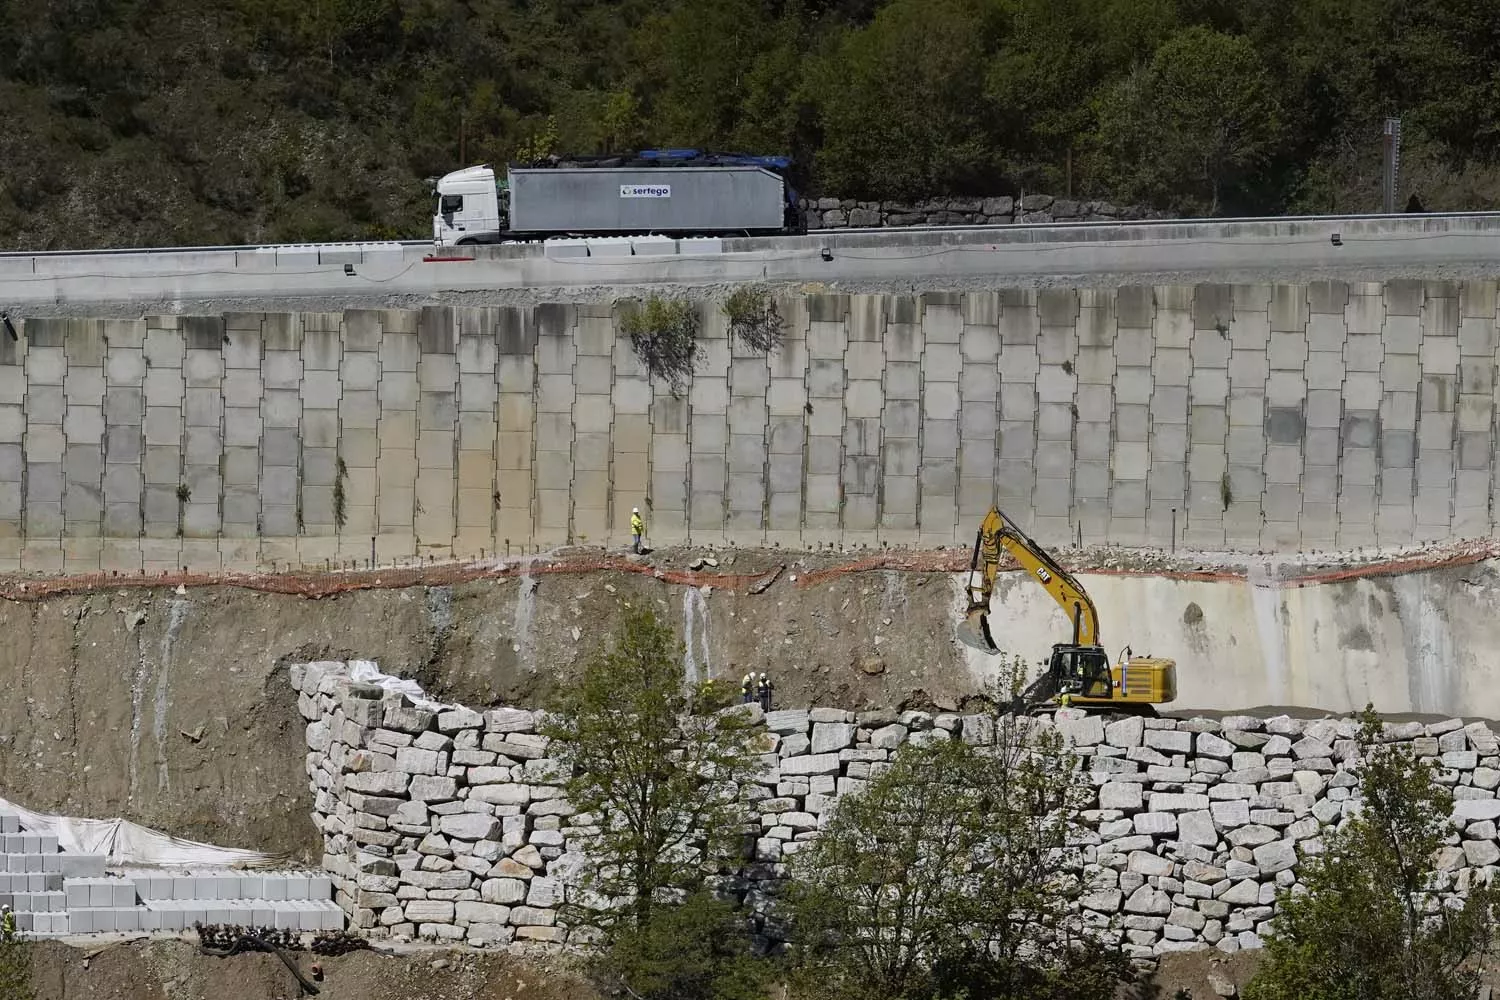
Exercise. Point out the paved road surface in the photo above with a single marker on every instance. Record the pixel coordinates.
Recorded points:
(395, 274)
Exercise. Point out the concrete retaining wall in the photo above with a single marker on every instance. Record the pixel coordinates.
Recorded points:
(450, 824)
(327, 277)
(1281, 417)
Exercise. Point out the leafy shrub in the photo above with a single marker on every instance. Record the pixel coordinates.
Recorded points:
(664, 335)
(753, 319)
(697, 950)
(954, 873)
(1371, 923)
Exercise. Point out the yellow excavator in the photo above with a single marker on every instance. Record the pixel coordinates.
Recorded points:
(1079, 673)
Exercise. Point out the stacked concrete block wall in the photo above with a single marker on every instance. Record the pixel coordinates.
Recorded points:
(450, 824)
(283, 900)
(33, 873)
(56, 893)
(172, 901)
(1328, 416)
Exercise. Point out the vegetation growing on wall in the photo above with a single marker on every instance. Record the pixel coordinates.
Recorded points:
(664, 335)
(754, 320)
(229, 121)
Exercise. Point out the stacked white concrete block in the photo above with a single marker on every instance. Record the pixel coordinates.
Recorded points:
(451, 825)
(176, 900)
(32, 871)
(56, 893)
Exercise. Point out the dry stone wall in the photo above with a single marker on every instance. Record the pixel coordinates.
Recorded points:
(451, 825)
(836, 213)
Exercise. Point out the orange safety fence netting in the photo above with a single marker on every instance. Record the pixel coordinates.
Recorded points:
(955, 561)
(326, 583)
(315, 583)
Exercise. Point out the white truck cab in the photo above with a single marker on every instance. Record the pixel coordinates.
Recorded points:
(469, 207)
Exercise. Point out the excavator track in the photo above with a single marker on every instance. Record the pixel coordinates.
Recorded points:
(1106, 713)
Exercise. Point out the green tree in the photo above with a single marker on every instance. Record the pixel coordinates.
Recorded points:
(1371, 924)
(697, 950)
(541, 144)
(332, 29)
(693, 59)
(1053, 54)
(954, 872)
(901, 102)
(620, 121)
(230, 121)
(775, 111)
(1202, 117)
(1452, 52)
(657, 766)
(723, 74)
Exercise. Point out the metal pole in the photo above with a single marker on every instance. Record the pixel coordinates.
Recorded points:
(1391, 136)
(1174, 529)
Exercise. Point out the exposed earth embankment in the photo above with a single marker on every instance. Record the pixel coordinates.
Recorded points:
(167, 704)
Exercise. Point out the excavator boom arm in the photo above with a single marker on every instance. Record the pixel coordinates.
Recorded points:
(997, 531)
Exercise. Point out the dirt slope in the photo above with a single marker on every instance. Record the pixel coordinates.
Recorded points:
(174, 710)
(175, 970)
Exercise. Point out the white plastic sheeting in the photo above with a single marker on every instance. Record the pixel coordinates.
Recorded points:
(125, 843)
(366, 672)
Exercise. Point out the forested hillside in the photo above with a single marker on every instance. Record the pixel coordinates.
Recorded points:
(131, 122)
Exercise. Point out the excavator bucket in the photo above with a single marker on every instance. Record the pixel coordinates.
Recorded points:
(974, 631)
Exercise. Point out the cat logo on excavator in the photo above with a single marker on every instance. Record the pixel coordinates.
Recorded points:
(1078, 673)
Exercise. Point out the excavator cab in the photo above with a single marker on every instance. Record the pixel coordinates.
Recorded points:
(1080, 671)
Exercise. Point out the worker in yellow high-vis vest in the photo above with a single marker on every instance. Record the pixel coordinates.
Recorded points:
(637, 528)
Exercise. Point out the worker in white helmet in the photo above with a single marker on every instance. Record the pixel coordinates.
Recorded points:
(637, 528)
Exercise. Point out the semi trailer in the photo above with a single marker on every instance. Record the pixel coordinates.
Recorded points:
(667, 192)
